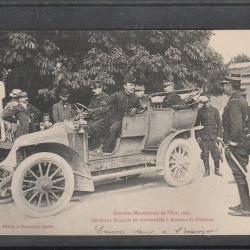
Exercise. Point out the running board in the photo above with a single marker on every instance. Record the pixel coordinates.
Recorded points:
(125, 173)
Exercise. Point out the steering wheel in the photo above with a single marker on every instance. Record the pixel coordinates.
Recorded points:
(79, 109)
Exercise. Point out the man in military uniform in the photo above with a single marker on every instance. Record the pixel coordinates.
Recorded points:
(208, 137)
(234, 121)
(140, 92)
(97, 125)
(172, 98)
(122, 102)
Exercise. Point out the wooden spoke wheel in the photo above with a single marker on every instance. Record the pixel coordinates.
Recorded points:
(180, 163)
(43, 184)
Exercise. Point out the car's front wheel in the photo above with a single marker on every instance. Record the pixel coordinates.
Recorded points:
(43, 184)
(180, 163)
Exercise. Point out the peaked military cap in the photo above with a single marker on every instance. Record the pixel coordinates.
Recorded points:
(167, 83)
(97, 84)
(234, 80)
(129, 78)
(63, 92)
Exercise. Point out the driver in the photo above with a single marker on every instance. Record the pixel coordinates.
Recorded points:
(122, 102)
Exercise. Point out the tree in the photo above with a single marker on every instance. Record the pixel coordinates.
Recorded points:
(241, 58)
(42, 61)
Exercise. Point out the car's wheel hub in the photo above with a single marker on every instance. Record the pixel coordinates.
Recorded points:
(44, 184)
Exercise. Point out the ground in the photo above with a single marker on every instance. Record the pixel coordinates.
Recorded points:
(146, 205)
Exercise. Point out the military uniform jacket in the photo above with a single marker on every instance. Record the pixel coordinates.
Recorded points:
(97, 103)
(62, 112)
(210, 119)
(120, 102)
(234, 118)
(25, 116)
(170, 100)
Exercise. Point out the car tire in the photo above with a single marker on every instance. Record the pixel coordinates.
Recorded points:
(180, 163)
(43, 184)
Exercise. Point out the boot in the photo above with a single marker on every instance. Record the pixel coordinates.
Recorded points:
(217, 168)
(244, 197)
(235, 208)
(207, 168)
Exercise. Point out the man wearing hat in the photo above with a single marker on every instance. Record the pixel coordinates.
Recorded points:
(172, 98)
(97, 126)
(24, 113)
(234, 121)
(63, 109)
(11, 127)
(209, 117)
(121, 103)
(140, 92)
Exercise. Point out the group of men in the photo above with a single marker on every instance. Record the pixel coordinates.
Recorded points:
(107, 111)
(20, 117)
(233, 132)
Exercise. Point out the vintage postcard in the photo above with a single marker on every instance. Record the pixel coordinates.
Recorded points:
(124, 132)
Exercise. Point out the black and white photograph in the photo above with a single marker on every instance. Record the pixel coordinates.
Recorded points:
(124, 132)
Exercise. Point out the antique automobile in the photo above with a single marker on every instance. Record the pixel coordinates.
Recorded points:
(42, 170)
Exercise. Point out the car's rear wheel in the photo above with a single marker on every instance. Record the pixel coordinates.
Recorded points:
(180, 163)
(43, 184)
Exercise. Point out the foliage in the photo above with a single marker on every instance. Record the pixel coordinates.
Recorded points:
(241, 58)
(42, 61)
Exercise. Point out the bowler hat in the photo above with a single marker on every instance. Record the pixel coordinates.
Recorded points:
(129, 78)
(167, 83)
(63, 92)
(15, 92)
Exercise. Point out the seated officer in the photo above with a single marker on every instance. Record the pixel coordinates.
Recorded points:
(97, 125)
(123, 102)
(172, 98)
(140, 92)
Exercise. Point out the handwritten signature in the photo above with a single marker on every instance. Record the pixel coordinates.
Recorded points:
(101, 230)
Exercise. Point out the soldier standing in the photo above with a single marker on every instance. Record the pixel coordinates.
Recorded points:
(208, 137)
(122, 102)
(234, 121)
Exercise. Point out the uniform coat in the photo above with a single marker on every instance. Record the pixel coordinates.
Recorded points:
(210, 119)
(170, 100)
(234, 121)
(120, 103)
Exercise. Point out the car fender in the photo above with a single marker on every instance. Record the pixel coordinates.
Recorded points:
(82, 175)
(189, 133)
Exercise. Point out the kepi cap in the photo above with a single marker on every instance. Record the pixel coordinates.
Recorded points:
(64, 92)
(234, 80)
(96, 84)
(167, 83)
(139, 88)
(129, 78)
